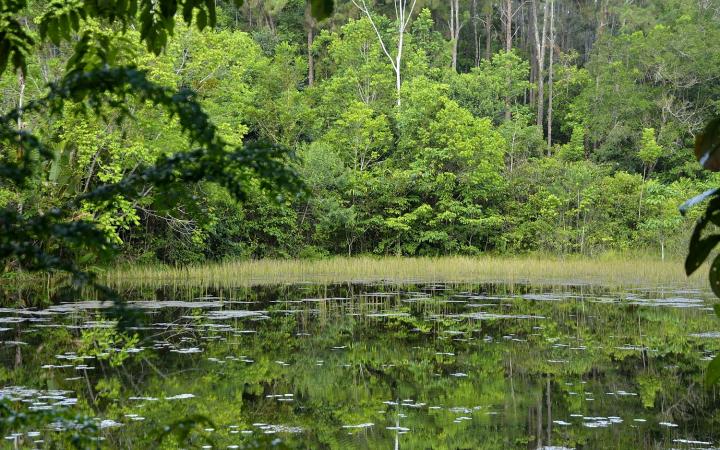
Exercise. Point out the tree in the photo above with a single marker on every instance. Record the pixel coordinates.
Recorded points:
(361, 138)
(575, 149)
(662, 216)
(402, 20)
(94, 81)
(551, 76)
(455, 26)
(540, 45)
(493, 88)
(429, 41)
(649, 152)
(359, 71)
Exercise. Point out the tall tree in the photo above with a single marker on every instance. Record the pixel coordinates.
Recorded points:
(551, 75)
(455, 27)
(540, 45)
(310, 24)
(402, 19)
(507, 16)
(476, 34)
(488, 29)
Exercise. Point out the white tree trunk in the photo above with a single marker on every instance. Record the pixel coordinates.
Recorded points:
(540, 45)
(662, 250)
(402, 17)
(508, 24)
(550, 76)
(455, 27)
(311, 59)
(476, 36)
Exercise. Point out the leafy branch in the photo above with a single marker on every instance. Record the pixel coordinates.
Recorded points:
(703, 243)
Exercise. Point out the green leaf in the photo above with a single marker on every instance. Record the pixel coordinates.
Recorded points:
(187, 12)
(713, 372)
(54, 32)
(708, 142)
(699, 251)
(716, 308)
(714, 276)
(4, 54)
(75, 21)
(321, 9)
(168, 8)
(201, 19)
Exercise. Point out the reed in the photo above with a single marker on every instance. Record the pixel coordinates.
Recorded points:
(607, 270)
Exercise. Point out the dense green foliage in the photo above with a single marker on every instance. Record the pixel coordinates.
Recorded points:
(461, 160)
(99, 78)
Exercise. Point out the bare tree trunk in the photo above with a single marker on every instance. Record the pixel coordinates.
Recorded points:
(249, 15)
(488, 34)
(508, 24)
(398, 61)
(21, 98)
(270, 21)
(540, 45)
(21, 103)
(508, 48)
(550, 76)
(476, 36)
(454, 30)
(402, 16)
(533, 79)
(311, 59)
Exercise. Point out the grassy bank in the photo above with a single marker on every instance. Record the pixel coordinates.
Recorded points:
(615, 270)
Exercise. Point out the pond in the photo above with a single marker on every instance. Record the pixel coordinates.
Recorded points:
(376, 365)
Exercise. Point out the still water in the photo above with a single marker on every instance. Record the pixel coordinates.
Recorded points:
(366, 366)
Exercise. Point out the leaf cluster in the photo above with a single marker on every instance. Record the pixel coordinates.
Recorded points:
(702, 244)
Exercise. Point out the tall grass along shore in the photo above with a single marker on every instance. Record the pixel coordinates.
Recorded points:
(614, 270)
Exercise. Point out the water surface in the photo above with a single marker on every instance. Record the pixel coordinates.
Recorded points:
(371, 366)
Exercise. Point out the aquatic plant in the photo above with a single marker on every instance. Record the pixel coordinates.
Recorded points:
(614, 270)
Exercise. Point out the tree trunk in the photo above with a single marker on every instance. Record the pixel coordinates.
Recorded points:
(488, 34)
(402, 16)
(508, 48)
(550, 76)
(540, 45)
(476, 36)
(311, 59)
(662, 250)
(508, 24)
(270, 21)
(454, 30)
(21, 103)
(533, 79)
(398, 61)
(602, 18)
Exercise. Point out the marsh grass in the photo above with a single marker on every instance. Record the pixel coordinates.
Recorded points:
(606, 270)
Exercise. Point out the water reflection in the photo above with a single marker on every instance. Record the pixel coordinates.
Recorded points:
(373, 366)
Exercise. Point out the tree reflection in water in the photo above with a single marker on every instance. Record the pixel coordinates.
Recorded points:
(370, 366)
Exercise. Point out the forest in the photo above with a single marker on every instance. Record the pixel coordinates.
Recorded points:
(454, 127)
(359, 224)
